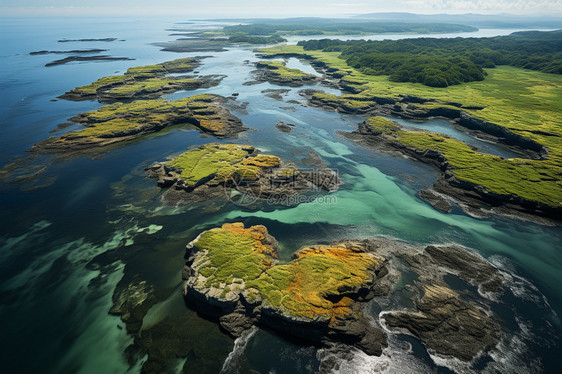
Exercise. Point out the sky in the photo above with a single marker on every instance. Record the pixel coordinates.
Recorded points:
(269, 8)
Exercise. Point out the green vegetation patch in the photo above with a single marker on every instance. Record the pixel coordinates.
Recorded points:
(244, 38)
(181, 65)
(233, 251)
(209, 160)
(279, 69)
(222, 162)
(152, 85)
(504, 176)
(381, 125)
(123, 121)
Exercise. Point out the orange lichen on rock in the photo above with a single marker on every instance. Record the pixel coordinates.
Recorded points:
(321, 283)
(324, 273)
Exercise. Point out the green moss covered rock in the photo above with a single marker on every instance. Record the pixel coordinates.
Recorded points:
(278, 73)
(236, 271)
(120, 122)
(143, 82)
(237, 172)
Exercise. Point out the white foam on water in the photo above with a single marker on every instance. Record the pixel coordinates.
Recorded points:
(150, 229)
(229, 365)
(519, 286)
(397, 358)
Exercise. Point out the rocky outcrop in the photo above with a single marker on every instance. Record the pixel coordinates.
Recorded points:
(404, 106)
(285, 127)
(457, 260)
(275, 94)
(316, 297)
(449, 322)
(435, 200)
(277, 73)
(121, 122)
(143, 82)
(448, 325)
(473, 197)
(216, 171)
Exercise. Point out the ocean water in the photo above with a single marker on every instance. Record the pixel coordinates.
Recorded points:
(83, 226)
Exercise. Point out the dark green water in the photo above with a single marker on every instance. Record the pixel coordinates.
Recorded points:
(65, 246)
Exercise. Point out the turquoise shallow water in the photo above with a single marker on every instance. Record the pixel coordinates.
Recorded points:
(65, 247)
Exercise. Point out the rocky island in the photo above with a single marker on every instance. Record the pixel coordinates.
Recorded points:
(217, 171)
(459, 164)
(233, 274)
(122, 122)
(144, 82)
(277, 73)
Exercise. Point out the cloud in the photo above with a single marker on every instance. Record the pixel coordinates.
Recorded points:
(272, 8)
(488, 6)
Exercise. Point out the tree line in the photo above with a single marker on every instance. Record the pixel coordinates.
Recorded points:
(344, 28)
(448, 61)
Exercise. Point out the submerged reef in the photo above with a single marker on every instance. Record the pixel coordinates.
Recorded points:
(215, 171)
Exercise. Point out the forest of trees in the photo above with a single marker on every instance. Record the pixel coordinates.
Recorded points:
(344, 28)
(244, 38)
(448, 61)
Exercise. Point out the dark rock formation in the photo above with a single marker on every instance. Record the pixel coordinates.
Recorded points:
(88, 40)
(436, 201)
(448, 325)
(275, 94)
(285, 127)
(74, 51)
